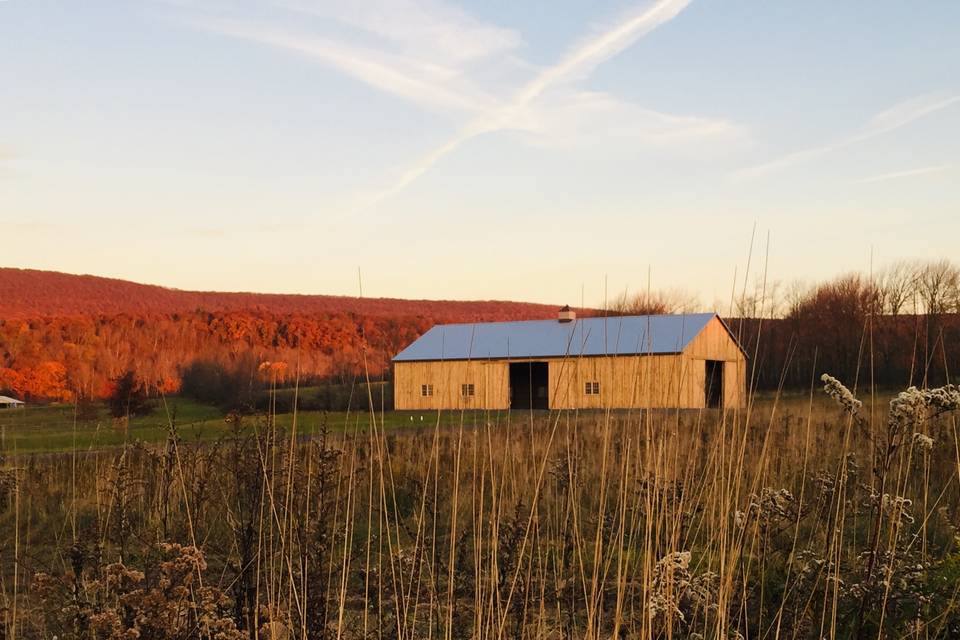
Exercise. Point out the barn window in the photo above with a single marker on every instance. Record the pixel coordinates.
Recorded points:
(426, 390)
(467, 390)
(592, 388)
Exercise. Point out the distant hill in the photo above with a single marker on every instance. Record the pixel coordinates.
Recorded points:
(30, 293)
(63, 336)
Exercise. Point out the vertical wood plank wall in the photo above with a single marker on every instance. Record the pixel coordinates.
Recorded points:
(625, 381)
(654, 381)
(735, 383)
(491, 381)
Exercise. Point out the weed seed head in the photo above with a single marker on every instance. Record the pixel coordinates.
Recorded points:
(843, 396)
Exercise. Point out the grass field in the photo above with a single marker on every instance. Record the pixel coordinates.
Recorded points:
(53, 428)
(533, 526)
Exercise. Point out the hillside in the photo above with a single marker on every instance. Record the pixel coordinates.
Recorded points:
(29, 293)
(63, 336)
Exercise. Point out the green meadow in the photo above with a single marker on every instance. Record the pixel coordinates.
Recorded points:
(56, 428)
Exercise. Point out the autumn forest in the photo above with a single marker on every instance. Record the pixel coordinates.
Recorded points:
(64, 337)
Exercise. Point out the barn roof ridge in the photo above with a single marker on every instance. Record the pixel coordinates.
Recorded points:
(578, 319)
(625, 335)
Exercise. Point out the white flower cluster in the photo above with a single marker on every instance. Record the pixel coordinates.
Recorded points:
(673, 562)
(906, 409)
(844, 397)
(946, 398)
(776, 503)
(897, 504)
(670, 577)
(810, 563)
(826, 483)
(922, 442)
(770, 506)
(676, 594)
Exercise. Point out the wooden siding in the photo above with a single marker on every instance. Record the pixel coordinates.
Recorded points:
(625, 382)
(735, 383)
(652, 381)
(491, 381)
(714, 343)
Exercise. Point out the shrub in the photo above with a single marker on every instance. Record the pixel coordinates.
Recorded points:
(128, 397)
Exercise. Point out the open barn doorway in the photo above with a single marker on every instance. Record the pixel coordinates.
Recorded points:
(528, 385)
(714, 384)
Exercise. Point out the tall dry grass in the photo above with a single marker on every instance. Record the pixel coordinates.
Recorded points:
(792, 518)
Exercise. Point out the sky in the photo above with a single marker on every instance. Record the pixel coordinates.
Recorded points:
(549, 151)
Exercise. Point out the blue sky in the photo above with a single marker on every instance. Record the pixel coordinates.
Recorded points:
(534, 151)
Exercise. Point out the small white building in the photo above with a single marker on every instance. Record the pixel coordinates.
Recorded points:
(6, 402)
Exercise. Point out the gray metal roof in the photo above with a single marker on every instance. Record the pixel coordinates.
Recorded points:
(9, 400)
(619, 335)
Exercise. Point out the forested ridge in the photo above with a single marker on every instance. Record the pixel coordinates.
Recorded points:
(30, 293)
(66, 337)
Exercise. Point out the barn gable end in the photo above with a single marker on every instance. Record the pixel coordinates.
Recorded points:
(716, 343)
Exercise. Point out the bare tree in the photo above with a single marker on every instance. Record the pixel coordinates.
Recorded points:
(654, 303)
(832, 315)
(795, 294)
(938, 285)
(761, 300)
(897, 287)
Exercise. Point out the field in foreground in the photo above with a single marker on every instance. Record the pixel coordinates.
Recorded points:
(55, 429)
(794, 519)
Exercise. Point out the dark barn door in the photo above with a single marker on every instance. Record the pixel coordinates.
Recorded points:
(714, 384)
(528, 385)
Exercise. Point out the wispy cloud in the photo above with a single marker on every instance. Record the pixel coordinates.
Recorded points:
(588, 118)
(894, 175)
(432, 54)
(596, 50)
(897, 116)
(420, 81)
(575, 65)
(426, 29)
(440, 57)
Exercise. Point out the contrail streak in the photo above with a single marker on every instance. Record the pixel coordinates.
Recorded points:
(580, 61)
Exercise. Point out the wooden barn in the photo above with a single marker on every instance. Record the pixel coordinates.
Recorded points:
(687, 361)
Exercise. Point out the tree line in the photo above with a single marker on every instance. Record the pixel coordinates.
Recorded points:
(895, 327)
(67, 358)
(898, 326)
(892, 332)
